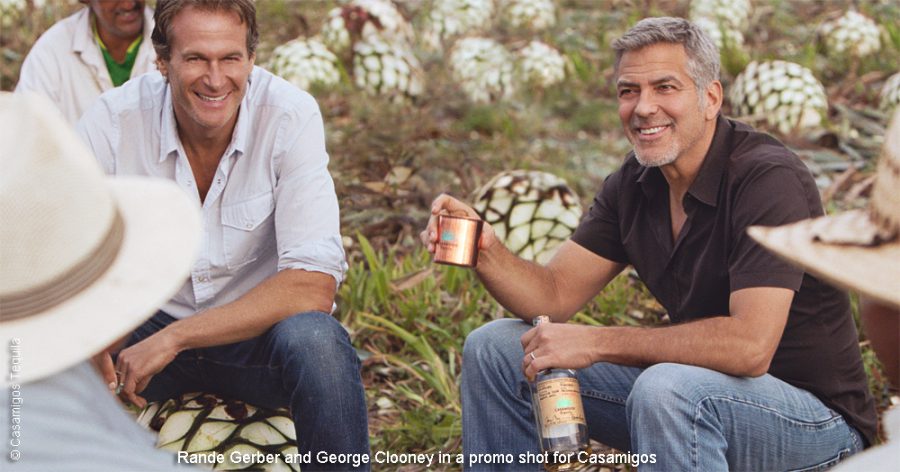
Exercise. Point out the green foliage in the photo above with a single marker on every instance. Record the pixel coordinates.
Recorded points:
(489, 120)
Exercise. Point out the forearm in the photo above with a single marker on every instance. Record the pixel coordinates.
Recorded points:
(524, 288)
(722, 343)
(284, 294)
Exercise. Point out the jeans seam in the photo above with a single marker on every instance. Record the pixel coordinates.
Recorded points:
(601, 396)
(814, 425)
(237, 365)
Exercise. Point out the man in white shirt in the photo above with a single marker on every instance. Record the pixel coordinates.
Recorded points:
(88, 53)
(253, 321)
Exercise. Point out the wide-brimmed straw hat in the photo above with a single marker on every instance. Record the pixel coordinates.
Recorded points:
(857, 250)
(85, 258)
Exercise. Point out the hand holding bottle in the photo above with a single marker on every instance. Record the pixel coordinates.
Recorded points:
(558, 345)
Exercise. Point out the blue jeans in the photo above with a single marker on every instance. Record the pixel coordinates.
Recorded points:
(690, 417)
(305, 363)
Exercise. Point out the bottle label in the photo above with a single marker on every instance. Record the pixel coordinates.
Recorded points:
(560, 401)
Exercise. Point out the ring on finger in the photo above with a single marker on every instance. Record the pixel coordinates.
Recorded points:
(532, 356)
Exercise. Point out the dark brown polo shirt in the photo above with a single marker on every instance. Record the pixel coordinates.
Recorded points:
(747, 178)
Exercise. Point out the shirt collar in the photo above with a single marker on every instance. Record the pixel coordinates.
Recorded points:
(169, 129)
(705, 187)
(84, 37)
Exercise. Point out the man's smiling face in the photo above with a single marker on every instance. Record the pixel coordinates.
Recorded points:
(663, 115)
(208, 69)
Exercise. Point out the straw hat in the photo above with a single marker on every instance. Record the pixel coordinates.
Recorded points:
(857, 250)
(85, 258)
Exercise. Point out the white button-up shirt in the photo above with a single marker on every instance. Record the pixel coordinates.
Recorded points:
(67, 66)
(272, 204)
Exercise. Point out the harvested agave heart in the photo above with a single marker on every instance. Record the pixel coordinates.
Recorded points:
(532, 212)
(201, 424)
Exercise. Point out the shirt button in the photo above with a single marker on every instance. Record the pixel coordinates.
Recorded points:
(249, 225)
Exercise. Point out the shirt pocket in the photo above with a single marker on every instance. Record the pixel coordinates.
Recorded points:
(244, 231)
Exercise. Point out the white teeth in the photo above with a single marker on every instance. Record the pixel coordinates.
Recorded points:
(212, 99)
(652, 130)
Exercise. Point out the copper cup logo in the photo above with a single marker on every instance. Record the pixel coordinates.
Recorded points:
(458, 240)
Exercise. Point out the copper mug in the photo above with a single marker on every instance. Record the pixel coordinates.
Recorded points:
(458, 240)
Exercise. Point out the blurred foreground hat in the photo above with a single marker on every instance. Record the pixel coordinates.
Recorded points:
(857, 250)
(84, 258)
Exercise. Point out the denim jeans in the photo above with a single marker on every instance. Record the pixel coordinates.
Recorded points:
(690, 417)
(305, 363)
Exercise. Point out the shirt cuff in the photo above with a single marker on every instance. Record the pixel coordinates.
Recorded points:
(324, 255)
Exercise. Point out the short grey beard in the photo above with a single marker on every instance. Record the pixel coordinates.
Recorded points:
(666, 159)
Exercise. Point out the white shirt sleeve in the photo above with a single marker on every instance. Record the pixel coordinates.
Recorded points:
(307, 219)
(99, 130)
(40, 72)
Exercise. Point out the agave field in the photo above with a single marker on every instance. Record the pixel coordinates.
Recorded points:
(422, 97)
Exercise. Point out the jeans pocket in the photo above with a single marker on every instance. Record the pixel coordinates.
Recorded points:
(827, 464)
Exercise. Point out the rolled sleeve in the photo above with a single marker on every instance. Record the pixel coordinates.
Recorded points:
(325, 255)
(307, 218)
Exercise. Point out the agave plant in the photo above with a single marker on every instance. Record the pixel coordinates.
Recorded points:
(383, 68)
(451, 18)
(304, 62)
(784, 94)
(852, 35)
(890, 93)
(11, 11)
(483, 68)
(203, 423)
(729, 14)
(532, 212)
(541, 64)
(721, 32)
(535, 15)
(364, 20)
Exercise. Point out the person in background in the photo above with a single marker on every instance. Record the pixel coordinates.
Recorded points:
(86, 259)
(860, 250)
(99, 47)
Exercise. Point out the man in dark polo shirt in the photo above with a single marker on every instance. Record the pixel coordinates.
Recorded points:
(760, 369)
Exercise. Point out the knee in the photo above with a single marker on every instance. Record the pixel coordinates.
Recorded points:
(668, 385)
(495, 343)
(312, 335)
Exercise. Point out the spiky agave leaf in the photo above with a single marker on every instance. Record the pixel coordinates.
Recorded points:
(483, 68)
(851, 35)
(541, 65)
(203, 423)
(305, 62)
(786, 95)
(532, 212)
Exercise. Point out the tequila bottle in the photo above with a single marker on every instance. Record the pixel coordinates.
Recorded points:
(559, 415)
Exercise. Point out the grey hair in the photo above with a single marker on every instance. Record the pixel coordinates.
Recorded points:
(702, 53)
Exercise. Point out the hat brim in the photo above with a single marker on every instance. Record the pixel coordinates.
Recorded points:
(873, 271)
(162, 229)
